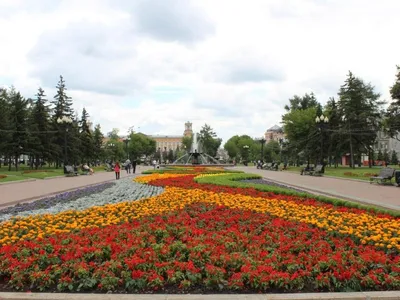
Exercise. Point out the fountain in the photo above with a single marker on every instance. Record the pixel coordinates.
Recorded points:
(197, 157)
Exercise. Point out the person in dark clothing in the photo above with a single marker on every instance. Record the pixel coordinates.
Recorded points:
(134, 165)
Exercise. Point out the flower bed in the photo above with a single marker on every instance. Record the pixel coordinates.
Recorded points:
(201, 237)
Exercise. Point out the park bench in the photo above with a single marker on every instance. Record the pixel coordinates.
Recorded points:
(70, 171)
(108, 168)
(267, 166)
(385, 175)
(317, 171)
(85, 171)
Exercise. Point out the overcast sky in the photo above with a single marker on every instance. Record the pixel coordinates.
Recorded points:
(232, 64)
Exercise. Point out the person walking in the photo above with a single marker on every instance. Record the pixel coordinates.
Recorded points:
(134, 162)
(117, 170)
(128, 166)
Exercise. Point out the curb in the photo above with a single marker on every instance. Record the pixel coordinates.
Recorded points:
(17, 181)
(11, 203)
(392, 295)
(337, 195)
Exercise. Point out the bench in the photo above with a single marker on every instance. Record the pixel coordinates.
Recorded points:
(267, 166)
(318, 171)
(385, 175)
(70, 171)
(108, 168)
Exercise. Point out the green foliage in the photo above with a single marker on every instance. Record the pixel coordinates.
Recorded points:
(302, 103)
(236, 147)
(393, 112)
(360, 106)
(209, 140)
(87, 139)
(394, 159)
(98, 138)
(187, 142)
(139, 144)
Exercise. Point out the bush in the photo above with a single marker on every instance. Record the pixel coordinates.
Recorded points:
(3, 176)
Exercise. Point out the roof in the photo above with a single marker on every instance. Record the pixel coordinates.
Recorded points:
(165, 136)
(275, 128)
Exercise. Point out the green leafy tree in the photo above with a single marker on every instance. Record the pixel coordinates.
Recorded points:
(302, 103)
(187, 142)
(115, 147)
(209, 140)
(231, 146)
(140, 145)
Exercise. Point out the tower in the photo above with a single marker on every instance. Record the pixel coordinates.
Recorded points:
(188, 129)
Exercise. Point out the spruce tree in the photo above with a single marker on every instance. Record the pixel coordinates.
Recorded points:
(5, 134)
(98, 139)
(86, 137)
(394, 159)
(63, 107)
(19, 125)
(393, 111)
(40, 137)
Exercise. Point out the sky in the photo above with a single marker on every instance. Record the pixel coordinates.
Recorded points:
(233, 64)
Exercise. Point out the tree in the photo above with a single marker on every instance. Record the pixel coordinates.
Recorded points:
(360, 110)
(114, 149)
(386, 157)
(19, 125)
(302, 103)
(139, 145)
(187, 142)
(5, 133)
(98, 146)
(40, 137)
(393, 111)
(394, 159)
(86, 138)
(209, 140)
(380, 155)
(62, 107)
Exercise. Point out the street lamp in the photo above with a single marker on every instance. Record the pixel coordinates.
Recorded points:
(347, 120)
(322, 122)
(246, 149)
(66, 121)
(262, 141)
(126, 141)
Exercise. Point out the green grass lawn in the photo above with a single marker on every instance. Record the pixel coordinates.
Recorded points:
(363, 173)
(23, 173)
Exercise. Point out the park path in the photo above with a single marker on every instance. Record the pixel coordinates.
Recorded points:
(16, 192)
(380, 195)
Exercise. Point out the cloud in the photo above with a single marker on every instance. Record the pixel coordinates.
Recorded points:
(170, 20)
(231, 64)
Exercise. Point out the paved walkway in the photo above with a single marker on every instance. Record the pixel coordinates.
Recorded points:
(15, 192)
(383, 196)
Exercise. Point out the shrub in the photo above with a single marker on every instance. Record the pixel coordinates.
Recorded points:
(3, 176)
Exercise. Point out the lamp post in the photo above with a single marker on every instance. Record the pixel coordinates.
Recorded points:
(65, 121)
(322, 122)
(246, 154)
(262, 141)
(126, 141)
(347, 120)
(111, 145)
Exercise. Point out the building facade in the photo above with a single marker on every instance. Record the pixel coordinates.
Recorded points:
(385, 143)
(275, 133)
(172, 142)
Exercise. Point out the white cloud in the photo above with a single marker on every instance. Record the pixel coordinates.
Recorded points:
(231, 63)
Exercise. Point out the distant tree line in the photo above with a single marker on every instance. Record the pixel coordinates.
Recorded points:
(43, 130)
(348, 124)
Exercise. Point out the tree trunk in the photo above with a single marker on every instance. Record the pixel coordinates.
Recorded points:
(16, 161)
(9, 163)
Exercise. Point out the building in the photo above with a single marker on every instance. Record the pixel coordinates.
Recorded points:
(385, 143)
(172, 142)
(275, 133)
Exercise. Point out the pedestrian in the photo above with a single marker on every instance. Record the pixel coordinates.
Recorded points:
(128, 166)
(134, 162)
(117, 170)
(154, 163)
